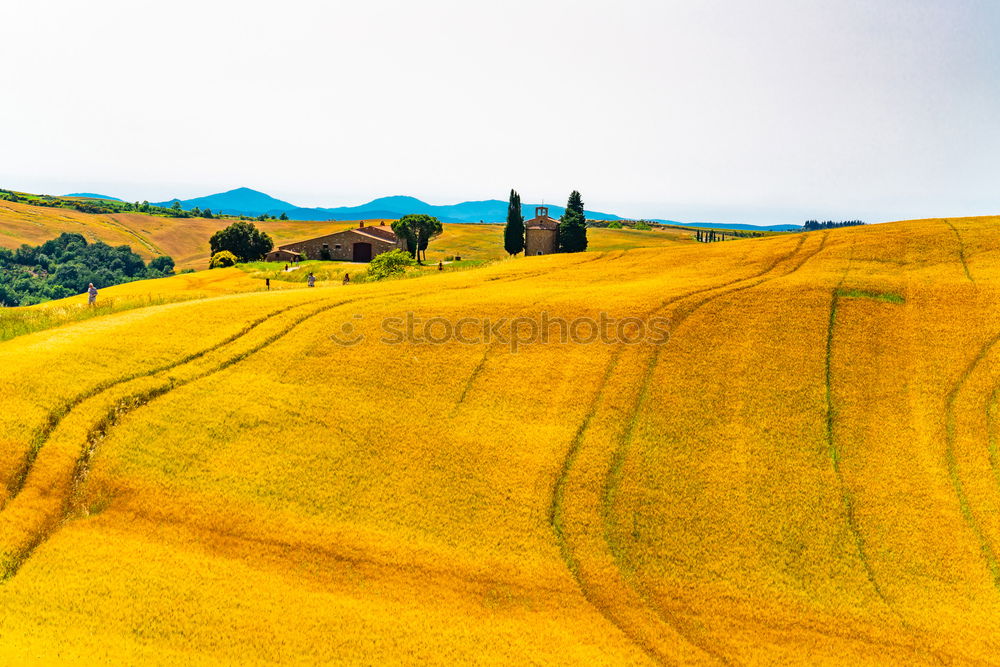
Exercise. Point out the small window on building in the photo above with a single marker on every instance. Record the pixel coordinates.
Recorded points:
(539, 252)
(326, 246)
(336, 246)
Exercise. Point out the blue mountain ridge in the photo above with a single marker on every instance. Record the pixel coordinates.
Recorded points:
(245, 201)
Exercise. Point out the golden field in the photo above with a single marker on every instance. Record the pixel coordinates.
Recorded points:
(186, 239)
(806, 471)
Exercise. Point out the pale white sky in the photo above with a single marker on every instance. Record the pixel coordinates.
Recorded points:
(769, 111)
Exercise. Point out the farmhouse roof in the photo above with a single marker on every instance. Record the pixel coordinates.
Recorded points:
(379, 233)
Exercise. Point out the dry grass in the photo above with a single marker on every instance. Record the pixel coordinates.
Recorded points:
(807, 471)
(186, 239)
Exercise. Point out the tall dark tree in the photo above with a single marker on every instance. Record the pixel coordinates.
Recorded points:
(513, 231)
(244, 240)
(573, 226)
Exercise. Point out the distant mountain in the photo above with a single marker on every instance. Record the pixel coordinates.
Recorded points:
(491, 210)
(737, 225)
(244, 201)
(241, 201)
(91, 195)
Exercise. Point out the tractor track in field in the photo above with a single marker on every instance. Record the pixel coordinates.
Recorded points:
(13, 560)
(992, 407)
(16, 555)
(986, 548)
(961, 251)
(831, 444)
(571, 555)
(56, 415)
(846, 497)
(620, 456)
(481, 364)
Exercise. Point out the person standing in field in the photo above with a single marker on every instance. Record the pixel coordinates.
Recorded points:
(91, 295)
(312, 280)
(347, 278)
(267, 284)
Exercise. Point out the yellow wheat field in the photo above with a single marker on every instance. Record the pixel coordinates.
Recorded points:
(807, 471)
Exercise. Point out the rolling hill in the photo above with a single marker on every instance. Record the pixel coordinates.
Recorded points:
(187, 239)
(91, 195)
(803, 471)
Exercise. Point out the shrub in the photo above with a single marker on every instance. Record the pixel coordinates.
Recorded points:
(222, 259)
(642, 226)
(614, 224)
(388, 264)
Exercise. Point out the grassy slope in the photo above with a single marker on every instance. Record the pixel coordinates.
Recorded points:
(806, 472)
(186, 239)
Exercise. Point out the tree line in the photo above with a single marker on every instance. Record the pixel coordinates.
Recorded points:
(710, 236)
(66, 265)
(813, 225)
(572, 231)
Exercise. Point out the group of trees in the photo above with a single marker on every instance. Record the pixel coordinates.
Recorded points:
(242, 240)
(66, 265)
(710, 236)
(417, 229)
(641, 225)
(813, 225)
(572, 225)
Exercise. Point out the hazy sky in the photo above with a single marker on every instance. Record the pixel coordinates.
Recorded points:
(768, 111)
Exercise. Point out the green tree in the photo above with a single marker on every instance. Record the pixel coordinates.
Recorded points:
(176, 206)
(573, 225)
(614, 224)
(642, 226)
(417, 229)
(283, 216)
(513, 231)
(163, 264)
(244, 240)
(207, 213)
(222, 259)
(390, 263)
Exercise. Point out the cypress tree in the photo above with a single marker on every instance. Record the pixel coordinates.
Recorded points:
(573, 225)
(513, 231)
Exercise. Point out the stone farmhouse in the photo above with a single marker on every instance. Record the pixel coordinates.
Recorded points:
(541, 233)
(350, 245)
